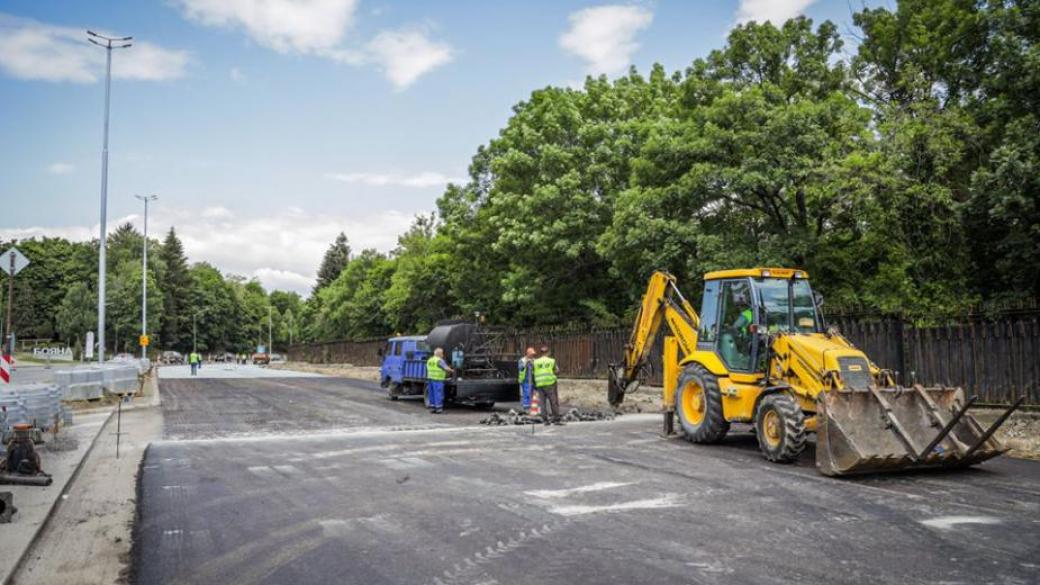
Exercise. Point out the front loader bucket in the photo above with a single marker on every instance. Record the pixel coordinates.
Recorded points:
(888, 429)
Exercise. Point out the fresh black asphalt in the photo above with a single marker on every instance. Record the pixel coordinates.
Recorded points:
(323, 480)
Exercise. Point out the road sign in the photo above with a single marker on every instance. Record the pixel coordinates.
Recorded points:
(143, 340)
(13, 257)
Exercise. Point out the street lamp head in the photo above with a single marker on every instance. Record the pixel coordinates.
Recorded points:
(151, 197)
(94, 34)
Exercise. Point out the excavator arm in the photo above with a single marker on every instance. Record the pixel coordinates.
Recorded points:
(662, 303)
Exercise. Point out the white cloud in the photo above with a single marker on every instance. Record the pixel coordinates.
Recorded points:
(320, 28)
(60, 168)
(406, 55)
(236, 75)
(425, 179)
(34, 50)
(282, 248)
(302, 26)
(776, 11)
(604, 36)
(217, 212)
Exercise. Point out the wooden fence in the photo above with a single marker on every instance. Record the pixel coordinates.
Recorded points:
(998, 360)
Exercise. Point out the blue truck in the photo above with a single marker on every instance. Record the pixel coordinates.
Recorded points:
(482, 378)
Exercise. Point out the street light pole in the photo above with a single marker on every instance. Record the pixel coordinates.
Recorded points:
(105, 43)
(144, 275)
(194, 331)
(270, 343)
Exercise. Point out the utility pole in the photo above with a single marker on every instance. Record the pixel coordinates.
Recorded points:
(270, 343)
(194, 333)
(105, 43)
(144, 276)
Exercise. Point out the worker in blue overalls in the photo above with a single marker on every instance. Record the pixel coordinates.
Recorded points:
(436, 372)
(525, 377)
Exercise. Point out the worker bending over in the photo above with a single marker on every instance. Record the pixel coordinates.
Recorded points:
(545, 373)
(436, 372)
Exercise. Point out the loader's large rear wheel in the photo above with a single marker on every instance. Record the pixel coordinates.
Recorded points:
(780, 426)
(698, 406)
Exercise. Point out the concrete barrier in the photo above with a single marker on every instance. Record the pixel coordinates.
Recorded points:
(36, 404)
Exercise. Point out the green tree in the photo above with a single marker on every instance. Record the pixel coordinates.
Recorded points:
(176, 286)
(77, 313)
(336, 259)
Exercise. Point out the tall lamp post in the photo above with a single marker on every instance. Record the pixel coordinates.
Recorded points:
(144, 276)
(270, 343)
(107, 44)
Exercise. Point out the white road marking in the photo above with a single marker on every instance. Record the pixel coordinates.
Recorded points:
(595, 487)
(261, 470)
(949, 522)
(665, 501)
(405, 463)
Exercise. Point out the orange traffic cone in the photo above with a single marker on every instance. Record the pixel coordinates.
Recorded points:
(536, 406)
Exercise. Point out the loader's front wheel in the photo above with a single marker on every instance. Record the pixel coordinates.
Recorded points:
(699, 406)
(780, 426)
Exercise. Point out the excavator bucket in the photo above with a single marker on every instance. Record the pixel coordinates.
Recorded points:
(618, 386)
(871, 429)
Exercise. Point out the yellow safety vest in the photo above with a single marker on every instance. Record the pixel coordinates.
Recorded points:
(434, 371)
(544, 372)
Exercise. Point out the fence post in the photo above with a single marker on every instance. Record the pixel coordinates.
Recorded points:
(901, 352)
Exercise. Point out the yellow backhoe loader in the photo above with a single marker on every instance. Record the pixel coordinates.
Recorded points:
(761, 353)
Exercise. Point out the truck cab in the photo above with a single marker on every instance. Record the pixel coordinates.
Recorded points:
(403, 368)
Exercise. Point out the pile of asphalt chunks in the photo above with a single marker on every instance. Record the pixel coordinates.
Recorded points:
(516, 417)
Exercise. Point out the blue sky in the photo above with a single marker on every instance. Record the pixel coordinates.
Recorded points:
(268, 127)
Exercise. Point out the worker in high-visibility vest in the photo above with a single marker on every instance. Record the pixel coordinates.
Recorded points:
(436, 372)
(194, 359)
(545, 373)
(525, 377)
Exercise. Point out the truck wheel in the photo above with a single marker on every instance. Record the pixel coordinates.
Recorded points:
(393, 391)
(698, 406)
(780, 427)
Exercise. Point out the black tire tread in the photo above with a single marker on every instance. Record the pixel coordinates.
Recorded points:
(715, 425)
(793, 419)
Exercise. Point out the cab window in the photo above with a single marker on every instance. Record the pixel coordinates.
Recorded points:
(788, 305)
(736, 317)
(709, 313)
(397, 348)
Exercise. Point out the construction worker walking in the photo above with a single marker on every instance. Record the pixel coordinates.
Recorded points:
(545, 376)
(525, 377)
(195, 360)
(436, 372)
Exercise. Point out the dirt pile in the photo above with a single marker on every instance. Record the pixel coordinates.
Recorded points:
(369, 373)
(592, 394)
(1021, 432)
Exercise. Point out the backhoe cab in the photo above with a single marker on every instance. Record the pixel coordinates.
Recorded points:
(760, 352)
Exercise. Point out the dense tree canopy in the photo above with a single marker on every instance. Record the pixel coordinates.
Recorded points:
(902, 172)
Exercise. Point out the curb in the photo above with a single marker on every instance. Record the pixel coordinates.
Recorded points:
(57, 502)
